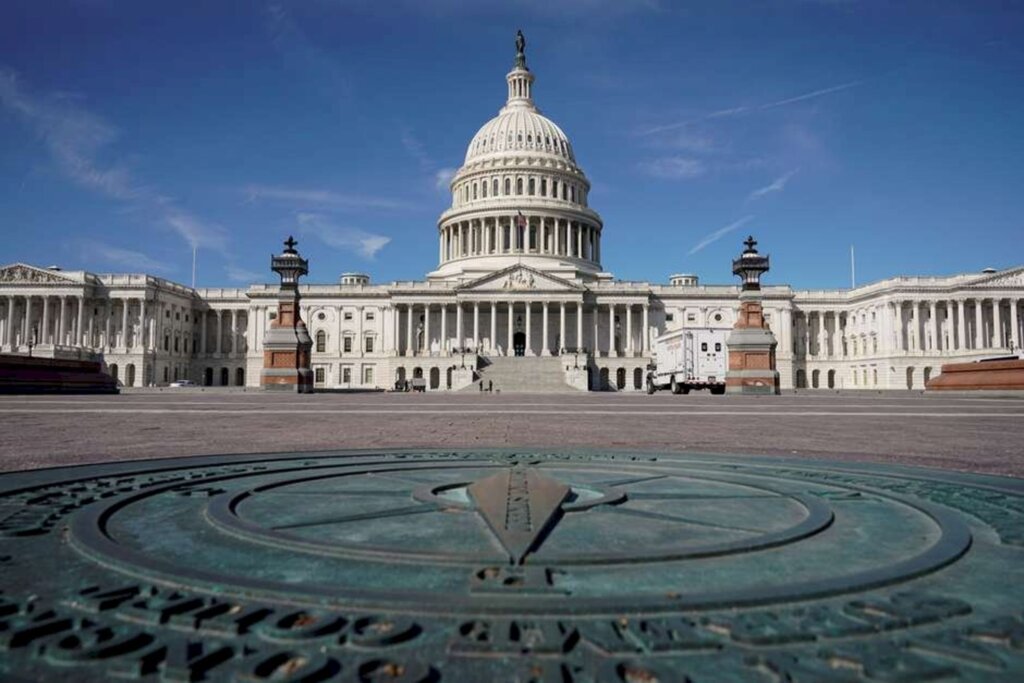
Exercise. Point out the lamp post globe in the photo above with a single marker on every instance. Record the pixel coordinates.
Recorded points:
(750, 266)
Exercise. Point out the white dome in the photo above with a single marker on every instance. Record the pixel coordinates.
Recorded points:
(520, 129)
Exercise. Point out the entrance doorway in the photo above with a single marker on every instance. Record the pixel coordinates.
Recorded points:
(519, 344)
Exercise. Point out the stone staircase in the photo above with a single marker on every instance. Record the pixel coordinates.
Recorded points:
(522, 375)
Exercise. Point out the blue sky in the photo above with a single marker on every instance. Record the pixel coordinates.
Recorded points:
(132, 131)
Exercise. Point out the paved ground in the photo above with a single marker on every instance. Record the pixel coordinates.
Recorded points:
(962, 433)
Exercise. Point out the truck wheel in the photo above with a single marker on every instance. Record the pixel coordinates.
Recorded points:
(677, 388)
(718, 390)
(650, 387)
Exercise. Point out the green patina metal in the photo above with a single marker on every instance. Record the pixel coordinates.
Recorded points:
(476, 565)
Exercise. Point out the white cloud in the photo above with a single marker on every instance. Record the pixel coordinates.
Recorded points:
(342, 237)
(77, 140)
(718, 234)
(134, 261)
(443, 178)
(777, 185)
(415, 148)
(673, 168)
(314, 197)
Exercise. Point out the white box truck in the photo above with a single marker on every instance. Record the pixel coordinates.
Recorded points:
(689, 358)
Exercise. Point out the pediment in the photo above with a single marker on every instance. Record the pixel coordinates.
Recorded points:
(1013, 277)
(20, 273)
(520, 278)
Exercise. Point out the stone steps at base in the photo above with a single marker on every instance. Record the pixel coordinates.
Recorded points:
(524, 374)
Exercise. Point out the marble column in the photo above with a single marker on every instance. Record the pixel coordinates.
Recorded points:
(142, 326)
(218, 345)
(426, 330)
(978, 327)
(511, 327)
(629, 329)
(44, 326)
(612, 351)
(476, 327)
(933, 313)
(124, 323)
(26, 332)
(10, 322)
(544, 350)
(494, 327)
(646, 329)
(961, 325)
(561, 327)
(579, 327)
(1014, 324)
(234, 331)
(445, 341)
(997, 323)
(108, 315)
(528, 351)
(460, 327)
(409, 339)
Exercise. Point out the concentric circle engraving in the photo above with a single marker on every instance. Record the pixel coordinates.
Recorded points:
(464, 565)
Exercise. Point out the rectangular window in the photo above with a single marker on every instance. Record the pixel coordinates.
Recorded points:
(669, 317)
(318, 375)
(369, 345)
(368, 375)
(348, 315)
(703, 346)
(369, 315)
(346, 375)
(348, 345)
(691, 317)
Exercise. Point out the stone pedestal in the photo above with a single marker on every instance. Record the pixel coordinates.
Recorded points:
(751, 351)
(286, 349)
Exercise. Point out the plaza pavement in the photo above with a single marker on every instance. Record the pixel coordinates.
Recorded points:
(978, 434)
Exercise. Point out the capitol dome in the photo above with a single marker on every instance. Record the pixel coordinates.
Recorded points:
(519, 197)
(520, 129)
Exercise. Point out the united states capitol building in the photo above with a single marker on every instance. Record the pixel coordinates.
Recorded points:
(518, 300)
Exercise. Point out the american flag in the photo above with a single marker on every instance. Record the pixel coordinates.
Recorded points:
(520, 220)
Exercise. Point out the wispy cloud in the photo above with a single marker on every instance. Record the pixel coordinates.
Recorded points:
(811, 95)
(743, 109)
(777, 185)
(77, 140)
(673, 168)
(317, 66)
(315, 197)
(443, 177)
(416, 149)
(364, 243)
(134, 261)
(718, 234)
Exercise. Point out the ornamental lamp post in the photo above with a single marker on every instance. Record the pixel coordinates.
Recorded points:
(751, 344)
(287, 345)
(750, 266)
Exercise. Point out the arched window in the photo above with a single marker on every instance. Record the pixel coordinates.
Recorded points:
(519, 185)
(508, 186)
(574, 193)
(543, 187)
(532, 186)
(565, 193)
(620, 378)
(494, 187)
(554, 189)
(321, 341)
(483, 189)
(638, 378)
(474, 190)
(224, 377)
(240, 377)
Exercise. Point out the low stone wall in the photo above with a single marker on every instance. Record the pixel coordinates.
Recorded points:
(990, 374)
(25, 375)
